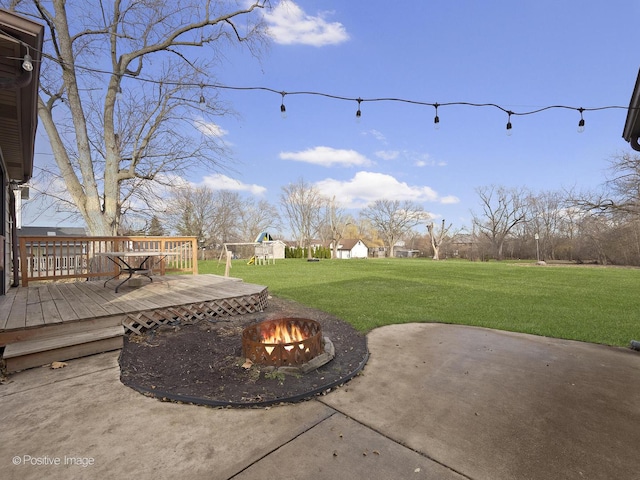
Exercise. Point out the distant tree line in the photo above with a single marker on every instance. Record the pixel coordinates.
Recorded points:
(601, 226)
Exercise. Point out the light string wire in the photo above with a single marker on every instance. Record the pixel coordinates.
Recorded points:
(415, 102)
(359, 100)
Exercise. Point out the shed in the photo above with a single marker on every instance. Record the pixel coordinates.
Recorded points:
(352, 248)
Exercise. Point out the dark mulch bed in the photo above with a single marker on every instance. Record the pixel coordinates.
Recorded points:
(202, 362)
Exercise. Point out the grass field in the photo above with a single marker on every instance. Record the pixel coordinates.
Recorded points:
(587, 303)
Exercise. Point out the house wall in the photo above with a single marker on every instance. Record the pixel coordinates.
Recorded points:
(359, 250)
(278, 249)
(344, 253)
(5, 234)
(275, 249)
(7, 245)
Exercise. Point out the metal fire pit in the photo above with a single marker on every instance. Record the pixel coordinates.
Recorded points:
(282, 354)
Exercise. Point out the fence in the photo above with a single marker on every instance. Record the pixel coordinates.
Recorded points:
(58, 257)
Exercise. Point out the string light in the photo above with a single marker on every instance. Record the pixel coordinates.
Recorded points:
(581, 122)
(436, 119)
(283, 109)
(202, 99)
(27, 62)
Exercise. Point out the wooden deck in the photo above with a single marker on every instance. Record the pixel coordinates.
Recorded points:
(64, 317)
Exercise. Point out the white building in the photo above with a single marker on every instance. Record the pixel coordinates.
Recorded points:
(352, 248)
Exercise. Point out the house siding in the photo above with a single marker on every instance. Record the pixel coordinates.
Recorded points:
(359, 250)
(6, 243)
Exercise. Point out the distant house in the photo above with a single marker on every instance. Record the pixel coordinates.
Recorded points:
(52, 232)
(400, 250)
(45, 255)
(352, 248)
(463, 244)
(378, 252)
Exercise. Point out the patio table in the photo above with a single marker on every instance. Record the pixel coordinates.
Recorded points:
(134, 262)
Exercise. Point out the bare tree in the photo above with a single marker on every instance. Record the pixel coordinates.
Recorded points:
(121, 85)
(302, 204)
(255, 218)
(547, 219)
(335, 224)
(191, 212)
(620, 193)
(224, 225)
(609, 227)
(393, 219)
(437, 237)
(502, 210)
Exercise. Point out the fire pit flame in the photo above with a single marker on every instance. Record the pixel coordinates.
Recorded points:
(285, 341)
(282, 332)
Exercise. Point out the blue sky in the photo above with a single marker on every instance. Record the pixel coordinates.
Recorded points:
(520, 55)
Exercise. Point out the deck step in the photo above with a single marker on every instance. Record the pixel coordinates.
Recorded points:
(40, 351)
(59, 329)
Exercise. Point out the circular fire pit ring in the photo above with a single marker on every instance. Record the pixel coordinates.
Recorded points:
(282, 342)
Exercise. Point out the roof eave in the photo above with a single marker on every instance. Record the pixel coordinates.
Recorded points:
(31, 34)
(631, 131)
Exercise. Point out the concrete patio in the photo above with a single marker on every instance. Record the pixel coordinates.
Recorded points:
(435, 401)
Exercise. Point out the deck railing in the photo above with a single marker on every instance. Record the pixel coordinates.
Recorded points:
(65, 257)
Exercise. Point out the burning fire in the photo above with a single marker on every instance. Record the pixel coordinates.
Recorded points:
(283, 332)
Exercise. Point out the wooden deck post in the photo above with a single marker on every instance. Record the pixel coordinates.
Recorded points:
(194, 256)
(24, 262)
(227, 266)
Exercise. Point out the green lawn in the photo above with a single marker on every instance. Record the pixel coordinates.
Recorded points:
(592, 304)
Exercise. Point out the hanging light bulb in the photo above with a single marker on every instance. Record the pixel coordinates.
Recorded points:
(581, 122)
(509, 129)
(27, 62)
(202, 99)
(436, 119)
(119, 93)
(283, 109)
(358, 112)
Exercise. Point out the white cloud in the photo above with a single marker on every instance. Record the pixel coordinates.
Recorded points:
(327, 157)
(211, 129)
(172, 179)
(222, 182)
(367, 187)
(378, 135)
(424, 160)
(387, 154)
(290, 25)
(449, 199)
